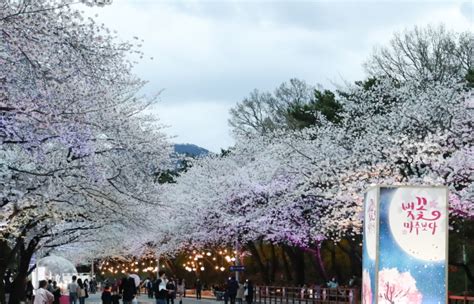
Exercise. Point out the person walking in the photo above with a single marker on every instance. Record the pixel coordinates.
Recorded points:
(29, 292)
(129, 289)
(115, 293)
(49, 287)
(198, 287)
(81, 291)
(72, 289)
(248, 293)
(86, 287)
(43, 296)
(106, 296)
(149, 288)
(180, 290)
(232, 288)
(145, 286)
(240, 294)
(56, 292)
(171, 287)
(159, 288)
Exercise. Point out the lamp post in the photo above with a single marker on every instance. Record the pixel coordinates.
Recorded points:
(237, 260)
(157, 266)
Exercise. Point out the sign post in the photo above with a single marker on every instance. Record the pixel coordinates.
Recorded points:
(405, 242)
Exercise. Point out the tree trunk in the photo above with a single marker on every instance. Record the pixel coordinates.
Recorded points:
(274, 265)
(18, 293)
(3, 271)
(467, 270)
(6, 256)
(334, 266)
(256, 256)
(318, 259)
(296, 256)
(355, 264)
(286, 266)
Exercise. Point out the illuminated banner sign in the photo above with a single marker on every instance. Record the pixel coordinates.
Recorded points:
(405, 243)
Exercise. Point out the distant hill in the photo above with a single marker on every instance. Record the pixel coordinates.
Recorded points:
(190, 150)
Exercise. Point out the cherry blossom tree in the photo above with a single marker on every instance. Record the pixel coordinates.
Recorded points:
(305, 186)
(78, 156)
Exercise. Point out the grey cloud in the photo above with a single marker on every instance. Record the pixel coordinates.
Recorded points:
(211, 54)
(312, 15)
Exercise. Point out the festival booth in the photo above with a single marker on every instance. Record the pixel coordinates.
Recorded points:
(57, 269)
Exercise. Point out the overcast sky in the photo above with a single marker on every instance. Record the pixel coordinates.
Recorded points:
(208, 55)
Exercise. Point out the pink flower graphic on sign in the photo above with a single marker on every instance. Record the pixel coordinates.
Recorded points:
(366, 288)
(398, 287)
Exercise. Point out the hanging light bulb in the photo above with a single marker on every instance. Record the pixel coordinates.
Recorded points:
(202, 268)
(222, 268)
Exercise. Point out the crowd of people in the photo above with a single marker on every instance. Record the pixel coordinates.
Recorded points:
(126, 290)
(235, 292)
(308, 291)
(164, 290)
(168, 290)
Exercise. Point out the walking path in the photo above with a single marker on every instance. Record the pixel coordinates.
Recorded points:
(95, 299)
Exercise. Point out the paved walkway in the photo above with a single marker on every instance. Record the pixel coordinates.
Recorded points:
(95, 299)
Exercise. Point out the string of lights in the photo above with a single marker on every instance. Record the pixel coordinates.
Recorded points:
(116, 266)
(196, 260)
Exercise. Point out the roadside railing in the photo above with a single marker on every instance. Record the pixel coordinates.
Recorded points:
(299, 295)
(295, 295)
(461, 300)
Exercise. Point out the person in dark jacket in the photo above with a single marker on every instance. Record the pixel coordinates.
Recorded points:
(149, 288)
(107, 295)
(198, 287)
(116, 292)
(171, 287)
(248, 293)
(232, 288)
(159, 288)
(29, 291)
(129, 290)
(56, 292)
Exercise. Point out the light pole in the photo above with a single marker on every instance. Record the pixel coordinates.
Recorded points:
(237, 261)
(157, 266)
(92, 269)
